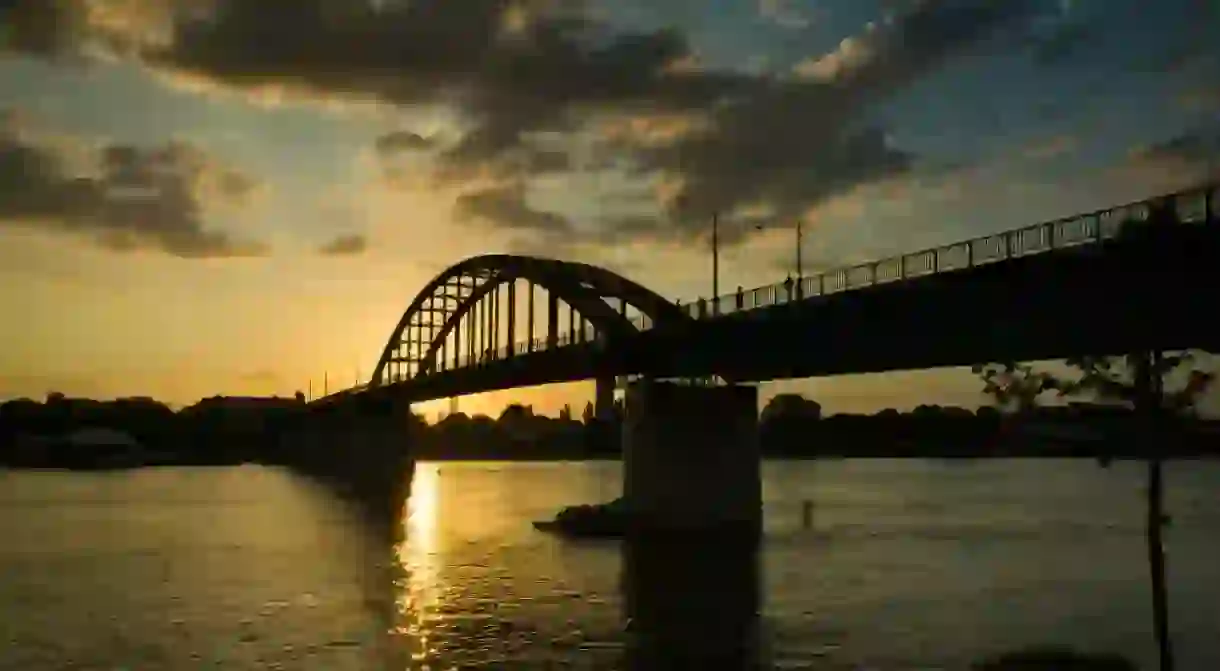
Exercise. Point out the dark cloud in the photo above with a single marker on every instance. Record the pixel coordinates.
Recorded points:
(398, 141)
(1199, 145)
(517, 72)
(509, 74)
(136, 198)
(467, 162)
(345, 245)
(899, 51)
(795, 143)
(507, 80)
(1063, 31)
(542, 161)
(41, 27)
(1063, 42)
(1191, 49)
(643, 227)
(506, 206)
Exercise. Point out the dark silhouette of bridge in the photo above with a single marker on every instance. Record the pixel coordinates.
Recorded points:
(1128, 278)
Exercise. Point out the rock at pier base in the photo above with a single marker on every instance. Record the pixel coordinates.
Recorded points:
(602, 520)
(613, 520)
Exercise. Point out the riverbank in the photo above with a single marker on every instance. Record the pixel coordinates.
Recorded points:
(138, 462)
(83, 433)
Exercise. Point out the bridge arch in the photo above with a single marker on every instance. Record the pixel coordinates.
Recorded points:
(471, 311)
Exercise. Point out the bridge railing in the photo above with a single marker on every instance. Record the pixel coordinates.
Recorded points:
(1193, 206)
(355, 389)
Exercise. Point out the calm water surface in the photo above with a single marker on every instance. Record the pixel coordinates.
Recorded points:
(909, 565)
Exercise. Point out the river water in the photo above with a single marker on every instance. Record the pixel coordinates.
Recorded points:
(908, 565)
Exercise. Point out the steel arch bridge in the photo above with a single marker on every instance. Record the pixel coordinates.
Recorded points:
(476, 312)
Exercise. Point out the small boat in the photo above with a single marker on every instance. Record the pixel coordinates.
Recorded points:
(605, 520)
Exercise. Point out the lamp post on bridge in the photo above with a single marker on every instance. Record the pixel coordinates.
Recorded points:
(800, 266)
(800, 271)
(715, 263)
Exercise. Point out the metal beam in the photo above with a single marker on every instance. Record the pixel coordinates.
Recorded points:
(529, 316)
(512, 316)
(495, 322)
(552, 320)
(470, 324)
(480, 308)
(457, 343)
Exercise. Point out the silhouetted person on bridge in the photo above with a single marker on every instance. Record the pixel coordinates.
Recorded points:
(788, 284)
(741, 299)
(702, 308)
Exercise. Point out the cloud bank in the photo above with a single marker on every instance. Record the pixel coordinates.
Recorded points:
(537, 84)
(123, 197)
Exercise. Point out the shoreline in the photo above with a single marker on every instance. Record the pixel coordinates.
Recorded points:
(586, 459)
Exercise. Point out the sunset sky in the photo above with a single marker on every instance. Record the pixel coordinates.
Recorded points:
(204, 197)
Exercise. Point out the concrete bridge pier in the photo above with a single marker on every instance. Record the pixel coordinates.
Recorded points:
(359, 448)
(603, 398)
(379, 457)
(691, 459)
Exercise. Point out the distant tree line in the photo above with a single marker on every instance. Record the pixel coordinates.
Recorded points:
(62, 432)
(80, 432)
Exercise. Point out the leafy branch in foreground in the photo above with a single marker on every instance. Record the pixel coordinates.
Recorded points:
(1137, 380)
(1114, 379)
(1015, 386)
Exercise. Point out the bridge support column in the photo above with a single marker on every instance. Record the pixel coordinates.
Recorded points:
(603, 399)
(691, 458)
(380, 460)
(359, 448)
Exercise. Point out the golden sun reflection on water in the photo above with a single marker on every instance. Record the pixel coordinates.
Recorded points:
(419, 592)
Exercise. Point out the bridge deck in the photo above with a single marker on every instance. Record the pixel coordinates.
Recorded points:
(1069, 287)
